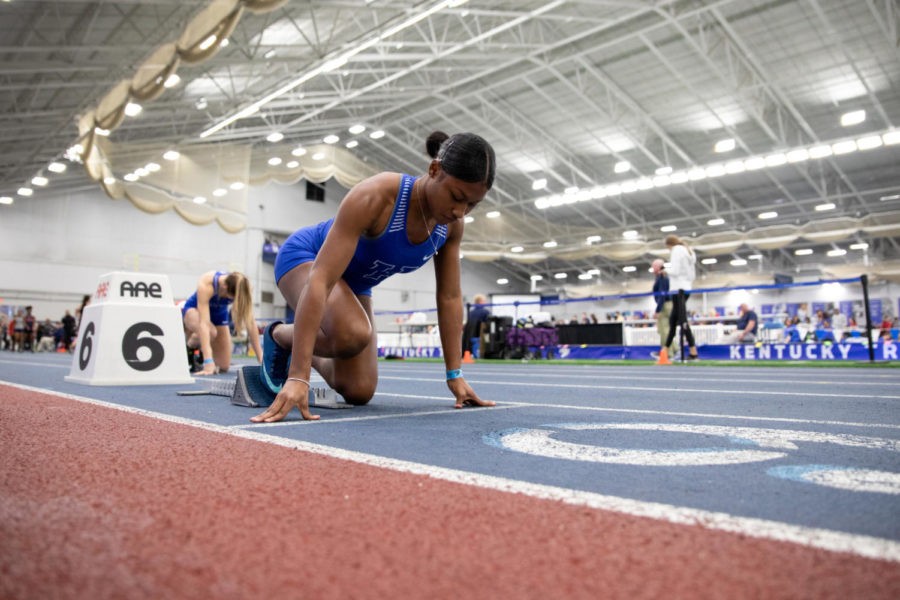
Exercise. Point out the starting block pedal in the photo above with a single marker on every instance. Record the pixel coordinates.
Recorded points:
(250, 391)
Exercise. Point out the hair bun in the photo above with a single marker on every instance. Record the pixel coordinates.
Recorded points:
(434, 141)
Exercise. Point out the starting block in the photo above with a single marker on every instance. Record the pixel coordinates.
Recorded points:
(249, 391)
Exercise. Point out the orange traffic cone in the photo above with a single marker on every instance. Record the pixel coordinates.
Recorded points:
(467, 358)
(664, 357)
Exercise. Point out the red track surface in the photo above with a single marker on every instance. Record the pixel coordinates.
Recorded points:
(98, 503)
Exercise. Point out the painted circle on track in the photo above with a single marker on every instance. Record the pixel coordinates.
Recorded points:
(842, 478)
(768, 444)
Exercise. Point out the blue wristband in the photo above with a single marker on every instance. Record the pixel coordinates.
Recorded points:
(207, 361)
(454, 374)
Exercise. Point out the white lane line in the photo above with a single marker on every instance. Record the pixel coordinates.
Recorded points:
(449, 411)
(824, 539)
(596, 376)
(649, 389)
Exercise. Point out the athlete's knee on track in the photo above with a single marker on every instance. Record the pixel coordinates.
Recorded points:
(357, 393)
(352, 339)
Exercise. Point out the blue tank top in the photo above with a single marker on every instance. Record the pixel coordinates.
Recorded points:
(391, 252)
(376, 258)
(218, 307)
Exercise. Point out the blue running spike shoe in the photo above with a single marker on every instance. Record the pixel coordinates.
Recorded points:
(276, 361)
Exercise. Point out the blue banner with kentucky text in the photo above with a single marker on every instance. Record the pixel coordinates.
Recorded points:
(852, 351)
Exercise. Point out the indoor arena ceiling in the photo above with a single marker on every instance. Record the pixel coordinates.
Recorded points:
(615, 106)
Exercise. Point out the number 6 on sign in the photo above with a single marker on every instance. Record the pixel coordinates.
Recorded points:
(131, 334)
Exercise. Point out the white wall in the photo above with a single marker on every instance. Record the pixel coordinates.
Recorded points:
(55, 246)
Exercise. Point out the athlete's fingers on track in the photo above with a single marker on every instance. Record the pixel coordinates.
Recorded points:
(474, 402)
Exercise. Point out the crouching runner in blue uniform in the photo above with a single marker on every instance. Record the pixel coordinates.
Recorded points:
(390, 223)
(206, 314)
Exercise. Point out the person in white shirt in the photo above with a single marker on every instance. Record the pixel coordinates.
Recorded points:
(838, 324)
(682, 271)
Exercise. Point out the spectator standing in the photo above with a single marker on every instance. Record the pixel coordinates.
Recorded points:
(17, 326)
(4, 325)
(682, 272)
(663, 311)
(477, 315)
(69, 326)
(30, 329)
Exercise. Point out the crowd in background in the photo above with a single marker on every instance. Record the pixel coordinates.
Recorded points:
(22, 331)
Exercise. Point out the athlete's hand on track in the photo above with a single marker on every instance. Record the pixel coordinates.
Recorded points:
(293, 394)
(465, 395)
(208, 369)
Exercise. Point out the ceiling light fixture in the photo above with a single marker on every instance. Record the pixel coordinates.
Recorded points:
(57, 167)
(377, 134)
(352, 144)
(593, 239)
(502, 281)
(493, 214)
(331, 139)
(207, 43)
(854, 117)
(803, 252)
(537, 277)
(560, 276)
(275, 161)
(709, 261)
(517, 249)
(199, 200)
(668, 228)
(726, 145)
(6, 200)
(39, 180)
(172, 155)
(826, 206)
(275, 137)
(25, 191)
(298, 151)
(844, 147)
(859, 246)
(623, 166)
(550, 244)
(356, 129)
(738, 262)
(133, 109)
(768, 215)
(715, 222)
(629, 269)
(836, 252)
(171, 81)
(869, 142)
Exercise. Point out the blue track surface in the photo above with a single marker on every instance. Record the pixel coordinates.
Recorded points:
(816, 447)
